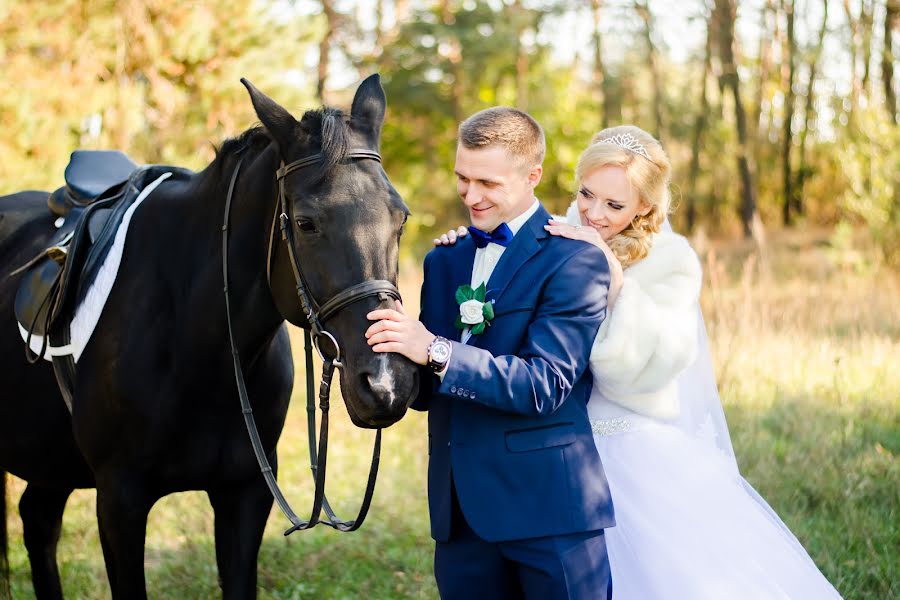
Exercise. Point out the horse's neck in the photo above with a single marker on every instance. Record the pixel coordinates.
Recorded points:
(253, 312)
(252, 211)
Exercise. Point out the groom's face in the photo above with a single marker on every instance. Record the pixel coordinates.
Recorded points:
(494, 185)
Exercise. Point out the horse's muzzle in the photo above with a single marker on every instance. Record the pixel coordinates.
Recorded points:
(380, 396)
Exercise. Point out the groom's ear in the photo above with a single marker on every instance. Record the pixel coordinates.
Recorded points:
(534, 175)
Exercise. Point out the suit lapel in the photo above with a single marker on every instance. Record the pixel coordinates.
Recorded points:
(524, 246)
(460, 274)
(520, 250)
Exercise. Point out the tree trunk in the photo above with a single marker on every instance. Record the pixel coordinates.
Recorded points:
(611, 91)
(385, 35)
(522, 59)
(724, 16)
(761, 132)
(854, 73)
(455, 57)
(325, 48)
(380, 29)
(600, 78)
(787, 175)
(643, 11)
(866, 23)
(891, 24)
(802, 170)
(699, 128)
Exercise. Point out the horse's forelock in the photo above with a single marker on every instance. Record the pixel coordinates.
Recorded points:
(329, 128)
(335, 137)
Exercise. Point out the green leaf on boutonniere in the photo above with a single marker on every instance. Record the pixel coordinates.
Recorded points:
(464, 293)
(488, 311)
(480, 293)
(478, 329)
(459, 324)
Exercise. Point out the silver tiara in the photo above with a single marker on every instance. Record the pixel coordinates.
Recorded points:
(629, 142)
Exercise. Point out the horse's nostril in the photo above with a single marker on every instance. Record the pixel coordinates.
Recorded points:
(371, 382)
(379, 381)
(378, 385)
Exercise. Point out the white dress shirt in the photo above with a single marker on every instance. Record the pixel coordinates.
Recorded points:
(487, 258)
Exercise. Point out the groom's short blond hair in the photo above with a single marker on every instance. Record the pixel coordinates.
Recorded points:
(514, 130)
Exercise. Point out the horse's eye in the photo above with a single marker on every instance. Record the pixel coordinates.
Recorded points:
(306, 225)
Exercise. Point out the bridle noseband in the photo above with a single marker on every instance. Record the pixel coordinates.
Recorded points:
(316, 315)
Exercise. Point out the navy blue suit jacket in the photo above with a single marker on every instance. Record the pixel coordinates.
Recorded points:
(509, 420)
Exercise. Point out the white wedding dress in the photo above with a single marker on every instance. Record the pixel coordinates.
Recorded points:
(688, 526)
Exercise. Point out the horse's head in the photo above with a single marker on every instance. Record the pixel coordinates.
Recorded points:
(345, 219)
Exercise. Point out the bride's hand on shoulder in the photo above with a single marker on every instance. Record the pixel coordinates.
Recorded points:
(590, 235)
(449, 238)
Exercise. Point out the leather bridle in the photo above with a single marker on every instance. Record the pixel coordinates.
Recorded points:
(316, 315)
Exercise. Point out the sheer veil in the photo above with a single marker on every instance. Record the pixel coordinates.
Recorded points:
(702, 417)
(701, 413)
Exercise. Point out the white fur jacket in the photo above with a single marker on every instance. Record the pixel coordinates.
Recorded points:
(650, 336)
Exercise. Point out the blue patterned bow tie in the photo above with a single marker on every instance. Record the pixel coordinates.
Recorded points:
(501, 236)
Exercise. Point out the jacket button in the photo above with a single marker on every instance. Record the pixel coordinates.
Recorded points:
(472, 395)
(453, 389)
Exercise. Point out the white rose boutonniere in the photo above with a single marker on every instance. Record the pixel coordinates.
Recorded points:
(470, 312)
(474, 312)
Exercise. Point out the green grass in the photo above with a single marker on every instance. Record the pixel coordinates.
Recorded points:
(806, 352)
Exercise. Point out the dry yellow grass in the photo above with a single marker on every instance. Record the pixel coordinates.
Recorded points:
(806, 351)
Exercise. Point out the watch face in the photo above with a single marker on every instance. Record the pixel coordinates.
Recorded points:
(440, 352)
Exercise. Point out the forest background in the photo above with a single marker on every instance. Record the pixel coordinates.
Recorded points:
(781, 120)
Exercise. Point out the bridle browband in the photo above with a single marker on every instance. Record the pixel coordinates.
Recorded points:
(316, 315)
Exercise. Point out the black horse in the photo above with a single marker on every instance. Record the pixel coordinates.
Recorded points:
(155, 408)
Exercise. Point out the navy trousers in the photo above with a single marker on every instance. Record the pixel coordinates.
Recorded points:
(565, 567)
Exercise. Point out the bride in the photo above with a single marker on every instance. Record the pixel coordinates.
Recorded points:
(688, 526)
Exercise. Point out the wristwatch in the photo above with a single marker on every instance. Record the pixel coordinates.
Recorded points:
(439, 351)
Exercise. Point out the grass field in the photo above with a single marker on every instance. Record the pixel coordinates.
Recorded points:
(806, 346)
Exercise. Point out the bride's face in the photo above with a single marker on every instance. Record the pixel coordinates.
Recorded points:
(607, 201)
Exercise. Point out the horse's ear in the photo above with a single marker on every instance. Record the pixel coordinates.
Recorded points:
(368, 108)
(280, 123)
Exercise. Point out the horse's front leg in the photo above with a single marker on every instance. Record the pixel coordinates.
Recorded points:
(123, 504)
(241, 514)
(41, 510)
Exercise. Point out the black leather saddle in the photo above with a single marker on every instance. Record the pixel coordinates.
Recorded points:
(56, 280)
(88, 175)
(100, 188)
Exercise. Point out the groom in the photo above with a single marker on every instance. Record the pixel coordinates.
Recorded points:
(517, 494)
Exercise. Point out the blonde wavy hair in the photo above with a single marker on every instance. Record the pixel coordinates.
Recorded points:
(649, 177)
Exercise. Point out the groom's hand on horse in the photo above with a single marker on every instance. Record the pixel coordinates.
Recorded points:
(395, 331)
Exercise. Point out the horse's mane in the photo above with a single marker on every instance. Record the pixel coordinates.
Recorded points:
(257, 138)
(327, 129)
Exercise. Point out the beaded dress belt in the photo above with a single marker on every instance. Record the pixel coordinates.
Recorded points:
(613, 426)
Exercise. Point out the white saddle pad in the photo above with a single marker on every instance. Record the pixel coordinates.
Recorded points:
(88, 312)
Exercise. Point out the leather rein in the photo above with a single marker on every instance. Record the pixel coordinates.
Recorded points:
(315, 315)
